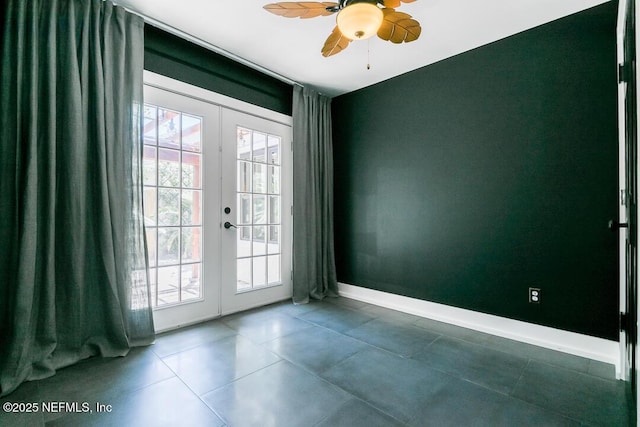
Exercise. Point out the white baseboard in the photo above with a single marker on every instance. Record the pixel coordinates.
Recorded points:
(542, 336)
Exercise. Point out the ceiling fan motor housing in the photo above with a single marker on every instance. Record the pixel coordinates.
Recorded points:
(359, 19)
(345, 3)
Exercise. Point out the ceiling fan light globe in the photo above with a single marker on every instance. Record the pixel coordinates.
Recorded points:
(359, 21)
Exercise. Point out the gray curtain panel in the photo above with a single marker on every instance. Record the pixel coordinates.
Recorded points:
(73, 269)
(314, 270)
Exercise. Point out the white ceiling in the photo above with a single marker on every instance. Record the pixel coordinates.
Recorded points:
(290, 47)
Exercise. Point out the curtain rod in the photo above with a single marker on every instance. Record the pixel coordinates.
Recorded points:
(176, 32)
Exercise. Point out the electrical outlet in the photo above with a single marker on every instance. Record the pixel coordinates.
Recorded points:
(534, 295)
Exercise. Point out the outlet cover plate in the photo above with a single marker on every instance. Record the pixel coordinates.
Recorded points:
(534, 295)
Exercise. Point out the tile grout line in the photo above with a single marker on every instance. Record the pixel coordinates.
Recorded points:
(552, 411)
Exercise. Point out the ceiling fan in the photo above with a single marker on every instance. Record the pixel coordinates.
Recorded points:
(356, 20)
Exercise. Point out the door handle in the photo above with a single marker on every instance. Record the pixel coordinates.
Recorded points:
(228, 225)
(615, 224)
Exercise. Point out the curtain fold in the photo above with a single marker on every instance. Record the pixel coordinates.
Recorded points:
(314, 271)
(73, 258)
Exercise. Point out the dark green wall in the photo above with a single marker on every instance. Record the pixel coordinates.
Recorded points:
(468, 181)
(182, 60)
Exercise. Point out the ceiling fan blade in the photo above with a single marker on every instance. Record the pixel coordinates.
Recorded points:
(391, 3)
(395, 3)
(335, 43)
(398, 27)
(307, 9)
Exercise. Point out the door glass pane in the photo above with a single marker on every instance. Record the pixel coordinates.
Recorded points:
(274, 180)
(244, 209)
(168, 128)
(191, 133)
(190, 286)
(191, 207)
(191, 244)
(153, 284)
(259, 209)
(274, 150)
(244, 176)
(244, 242)
(168, 245)
(149, 165)
(259, 271)
(168, 285)
(168, 206)
(244, 144)
(259, 178)
(244, 274)
(259, 240)
(259, 147)
(273, 242)
(150, 233)
(273, 268)
(150, 208)
(150, 124)
(191, 171)
(274, 210)
(168, 168)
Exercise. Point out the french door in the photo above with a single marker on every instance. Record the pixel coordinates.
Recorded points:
(256, 211)
(206, 163)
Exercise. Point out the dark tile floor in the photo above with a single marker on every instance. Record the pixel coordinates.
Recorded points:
(335, 363)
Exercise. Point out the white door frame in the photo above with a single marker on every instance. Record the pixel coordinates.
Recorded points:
(224, 102)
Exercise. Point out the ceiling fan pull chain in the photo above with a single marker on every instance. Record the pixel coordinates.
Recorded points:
(368, 54)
